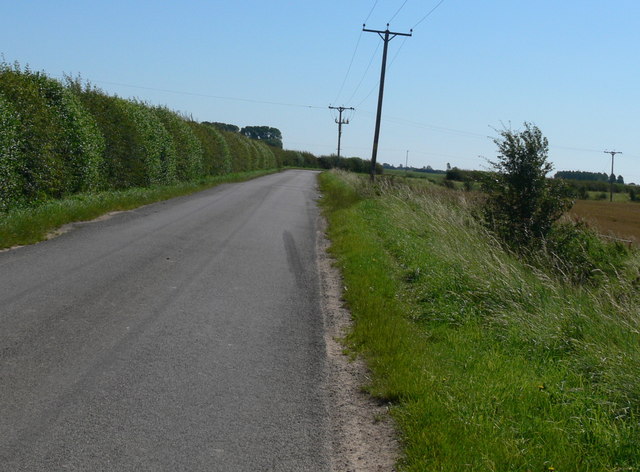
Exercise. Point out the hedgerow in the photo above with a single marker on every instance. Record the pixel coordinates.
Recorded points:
(58, 144)
(59, 139)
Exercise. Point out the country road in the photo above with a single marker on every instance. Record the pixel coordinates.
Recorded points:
(182, 336)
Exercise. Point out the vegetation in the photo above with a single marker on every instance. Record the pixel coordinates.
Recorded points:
(488, 362)
(30, 225)
(266, 134)
(581, 175)
(522, 203)
(58, 140)
(51, 145)
(351, 164)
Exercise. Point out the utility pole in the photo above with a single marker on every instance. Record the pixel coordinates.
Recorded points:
(388, 36)
(613, 153)
(406, 161)
(340, 122)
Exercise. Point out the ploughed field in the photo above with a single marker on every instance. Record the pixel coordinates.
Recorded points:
(617, 219)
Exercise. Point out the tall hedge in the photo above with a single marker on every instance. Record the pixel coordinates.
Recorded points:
(216, 158)
(58, 142)
(60, 139)
(11, 181)
(187, 146)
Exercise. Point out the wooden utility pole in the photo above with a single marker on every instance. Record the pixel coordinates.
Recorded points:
(613, 153)
(386, 36)
(340, 122)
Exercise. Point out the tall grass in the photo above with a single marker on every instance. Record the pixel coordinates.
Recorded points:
(490, 363)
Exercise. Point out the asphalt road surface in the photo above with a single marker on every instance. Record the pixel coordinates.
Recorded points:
(182, 336)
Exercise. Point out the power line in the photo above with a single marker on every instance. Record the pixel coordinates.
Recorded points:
(404, 40)
(428, 14)
(218, 97)
(397, 11)
(365, 74)
(349, 68)
(371, 11)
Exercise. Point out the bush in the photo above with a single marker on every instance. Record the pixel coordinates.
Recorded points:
(216, 159)
(581, 256)
(11, 182)
(139, 151)
(522, 203)
(58, 144)
(187, 147)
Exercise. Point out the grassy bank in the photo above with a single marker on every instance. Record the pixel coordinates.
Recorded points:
(488, 363)
(30, 225)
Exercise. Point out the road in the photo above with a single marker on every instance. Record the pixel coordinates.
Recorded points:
(182, 336)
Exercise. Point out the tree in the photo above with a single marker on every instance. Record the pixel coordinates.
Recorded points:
(222, 126)
(522, 203)
(266, 134)
(620, 179)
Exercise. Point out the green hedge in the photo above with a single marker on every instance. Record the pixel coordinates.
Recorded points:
(59, 139)
(56, 147)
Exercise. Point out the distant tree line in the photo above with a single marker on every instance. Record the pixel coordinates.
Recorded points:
(425, 169)
(351, 164)
(266, 134)
(588, 176)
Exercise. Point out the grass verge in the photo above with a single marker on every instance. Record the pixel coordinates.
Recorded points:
(489, 364)
(30, 225)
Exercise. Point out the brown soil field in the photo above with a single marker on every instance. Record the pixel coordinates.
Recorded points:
(616, 219)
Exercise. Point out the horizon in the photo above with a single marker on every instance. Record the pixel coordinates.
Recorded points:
(468, 70)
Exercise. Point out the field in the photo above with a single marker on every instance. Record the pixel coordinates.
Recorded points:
(616, 219)
(436, 178)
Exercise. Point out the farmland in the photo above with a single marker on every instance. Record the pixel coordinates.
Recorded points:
(617, 219)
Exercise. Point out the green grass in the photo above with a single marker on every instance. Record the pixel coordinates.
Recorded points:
(435, 178)
(30, 225)
(489, 364)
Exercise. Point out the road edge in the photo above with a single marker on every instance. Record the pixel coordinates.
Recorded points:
(363, 436)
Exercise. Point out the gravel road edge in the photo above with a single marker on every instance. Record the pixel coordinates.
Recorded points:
(363, 437)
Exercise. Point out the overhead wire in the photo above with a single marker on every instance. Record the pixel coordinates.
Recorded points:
(353, 56)
(398, 11)
(428, 14)
(373, 56)
(404, 40)
(218, 97)
(370, 12)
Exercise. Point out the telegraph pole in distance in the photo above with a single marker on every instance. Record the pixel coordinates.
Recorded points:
(340, 122)
(386, 36)
(613, 153)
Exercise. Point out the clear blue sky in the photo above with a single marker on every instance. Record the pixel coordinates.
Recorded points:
(571, 67)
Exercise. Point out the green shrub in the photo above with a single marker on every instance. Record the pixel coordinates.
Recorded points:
(522, 204)
(581, 255)
(10, 163)
(59, 147)
(237, 151)
(187, 146)
(216, 159)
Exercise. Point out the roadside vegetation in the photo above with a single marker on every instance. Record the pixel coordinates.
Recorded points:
(33, 224)
(496, 351)
(67, 149)
(69, 152)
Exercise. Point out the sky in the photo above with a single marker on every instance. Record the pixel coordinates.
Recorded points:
(470, 69)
